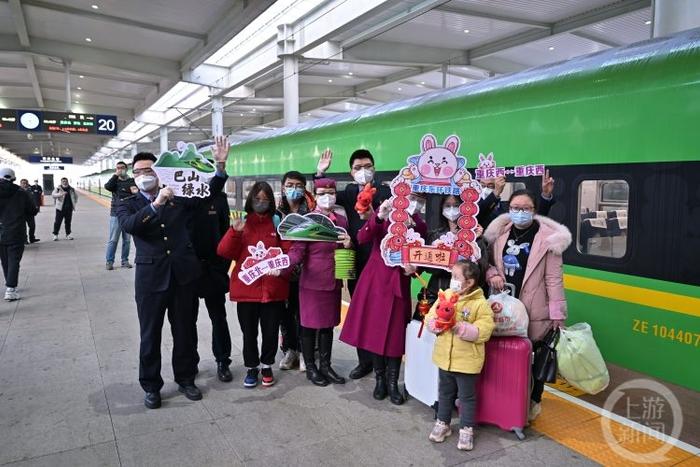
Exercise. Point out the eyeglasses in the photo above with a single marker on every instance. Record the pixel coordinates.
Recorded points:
(359, 167)
(515, 209)
(146, 171)
(293, 185)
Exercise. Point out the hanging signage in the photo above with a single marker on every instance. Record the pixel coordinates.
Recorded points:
(53, 167)
(35, 159)
(57, 122)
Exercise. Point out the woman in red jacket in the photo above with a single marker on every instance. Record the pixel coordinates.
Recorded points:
(262, 302)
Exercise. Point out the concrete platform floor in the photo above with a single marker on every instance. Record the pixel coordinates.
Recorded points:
(69, 394)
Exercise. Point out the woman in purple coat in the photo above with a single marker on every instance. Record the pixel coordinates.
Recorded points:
(381, 305)
(319, 290)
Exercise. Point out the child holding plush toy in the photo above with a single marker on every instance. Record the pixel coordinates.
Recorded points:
(463, 321)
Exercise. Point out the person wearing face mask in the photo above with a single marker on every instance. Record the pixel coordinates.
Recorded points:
(362, 171)
(319, 290)
(260, 304)
(439, 278)
(167, 269)
(491, 206)
(295, 199)
(527, 252)
(121, 186)
(459, 352)
(380, 309)
(65, 198)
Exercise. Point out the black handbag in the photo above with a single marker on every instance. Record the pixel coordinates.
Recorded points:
(544, 367)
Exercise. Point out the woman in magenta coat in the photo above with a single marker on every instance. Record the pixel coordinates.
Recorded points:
(319, 290)
(381, 305)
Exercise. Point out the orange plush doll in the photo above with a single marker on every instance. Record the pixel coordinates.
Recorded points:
(445, 312)
(364, 199)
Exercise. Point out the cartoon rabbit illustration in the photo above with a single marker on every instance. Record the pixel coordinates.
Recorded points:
(510, 259)
(437, 165)
(258, 251)
(486, 162)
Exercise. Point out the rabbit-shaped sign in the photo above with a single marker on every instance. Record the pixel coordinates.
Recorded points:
(261, 261)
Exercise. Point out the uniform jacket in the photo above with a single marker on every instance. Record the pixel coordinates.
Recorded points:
(16, 206)
(542, 291)
(458, 349)
(37, 193)
(120, 189)
(58, 195)
(209, 224)
(164, 248)
(234, 246)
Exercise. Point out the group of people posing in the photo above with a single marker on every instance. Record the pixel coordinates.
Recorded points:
(185, 248)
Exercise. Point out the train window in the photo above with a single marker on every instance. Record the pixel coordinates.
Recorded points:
(602, 226)
(247, 185)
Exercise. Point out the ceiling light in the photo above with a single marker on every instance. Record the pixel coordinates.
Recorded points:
(81, 76)
(647, 22)
(253, 109)
(422, 82)
(399, 89)
(77, 95)
(350, 73)
(330, 80)
(77, 102)
(308, 115)
(241, 115)
(95, 7)
(88, 39)
(466, 31)
(79, 88)
(551, 48)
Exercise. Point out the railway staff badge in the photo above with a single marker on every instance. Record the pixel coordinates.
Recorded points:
(435, 170)
(261, 261)
(186, 171)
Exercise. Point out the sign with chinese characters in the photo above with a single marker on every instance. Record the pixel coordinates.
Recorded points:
(261, 261)
(187, 172)
(487, 168)
(35, 159)
(57, 122)
(436, 170)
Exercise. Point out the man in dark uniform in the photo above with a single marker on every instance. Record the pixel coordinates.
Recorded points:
(31, 222)
(166, 271)
(362, 171)
(209, 224)
(37, 193)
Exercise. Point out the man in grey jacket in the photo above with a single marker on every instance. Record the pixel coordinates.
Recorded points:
(66, 198)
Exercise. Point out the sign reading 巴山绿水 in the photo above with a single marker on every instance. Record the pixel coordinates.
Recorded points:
(186, 172)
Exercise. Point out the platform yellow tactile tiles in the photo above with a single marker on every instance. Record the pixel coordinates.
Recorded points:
(581, 430)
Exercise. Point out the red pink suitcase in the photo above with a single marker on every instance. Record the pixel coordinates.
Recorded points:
(503, 389)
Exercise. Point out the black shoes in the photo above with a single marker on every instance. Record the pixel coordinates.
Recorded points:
(360, 371)
(392, 376)
(190, 391)
(152, 400)
(380, 389)
(34, 240)
(325, 345)
(223, 373)
(308, 342)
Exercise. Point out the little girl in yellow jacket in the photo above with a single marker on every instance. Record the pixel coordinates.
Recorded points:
(459, 351)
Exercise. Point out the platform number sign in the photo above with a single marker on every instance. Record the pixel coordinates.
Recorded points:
(106, 125)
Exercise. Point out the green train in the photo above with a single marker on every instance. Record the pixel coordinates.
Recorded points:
(619, 131)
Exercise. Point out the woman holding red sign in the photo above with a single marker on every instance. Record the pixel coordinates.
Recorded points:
(381, 305)
(262, 302)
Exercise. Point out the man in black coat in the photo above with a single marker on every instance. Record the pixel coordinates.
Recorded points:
(37, 193)
(121, 186)
(362, 171)
(167, 268)
(31, 221)
(16, 207)
(209, 225)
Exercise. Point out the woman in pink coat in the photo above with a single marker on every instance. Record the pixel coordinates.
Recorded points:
(381, 305)
(526, 250)
(319, 290)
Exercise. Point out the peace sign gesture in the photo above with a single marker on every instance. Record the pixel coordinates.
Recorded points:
(547, 185)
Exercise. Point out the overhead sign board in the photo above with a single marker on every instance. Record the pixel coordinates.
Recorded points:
(35, 159)
(53, 167)
(57, 122)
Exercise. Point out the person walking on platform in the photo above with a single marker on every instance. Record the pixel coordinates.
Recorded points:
(121, 186)
(166, 270)
(31, 220)
(295, 199)
(210, 224)
(526, 250)
(261, 303)
(362, 172)
(66, 198)
(37, 193)
(16, 206)
(381, 307)
(319, 290)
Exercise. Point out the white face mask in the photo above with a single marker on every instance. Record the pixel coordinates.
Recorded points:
(451, 213)
(415, 206)
(364, 176)
(326, 201)
(455, 285)
(485, 192)
(146, 182)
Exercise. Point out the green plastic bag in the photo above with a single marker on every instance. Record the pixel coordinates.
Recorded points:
(580, 361)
